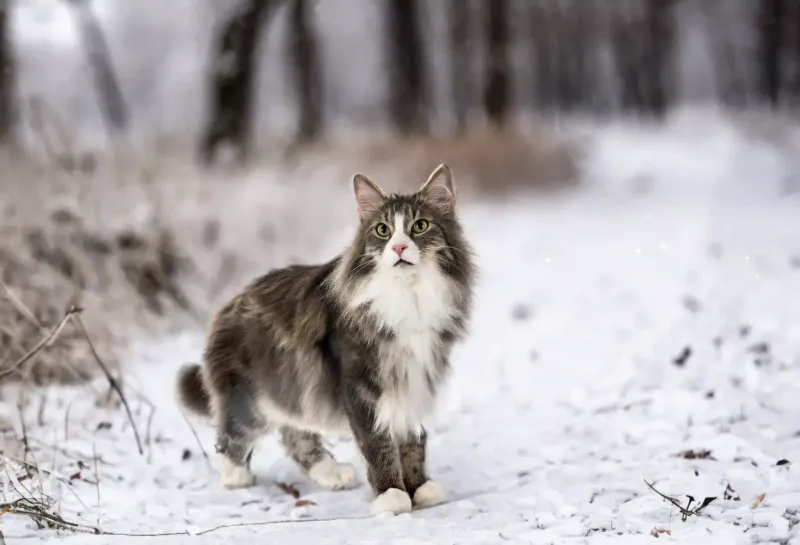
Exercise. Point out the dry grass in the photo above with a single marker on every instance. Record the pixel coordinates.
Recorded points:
(142, 242)
(489, 163)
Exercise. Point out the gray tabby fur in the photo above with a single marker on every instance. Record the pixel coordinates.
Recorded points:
(358, 347)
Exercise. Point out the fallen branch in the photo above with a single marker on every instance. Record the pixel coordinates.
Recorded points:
(74, 314)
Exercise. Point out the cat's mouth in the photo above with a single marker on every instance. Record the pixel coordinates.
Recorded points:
(403, 263)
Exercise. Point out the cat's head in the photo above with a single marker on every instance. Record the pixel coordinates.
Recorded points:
(411, 232)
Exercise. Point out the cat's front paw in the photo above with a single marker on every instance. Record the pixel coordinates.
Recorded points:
(332, 475)
(429, 494)
(234, 476)
(394, 502)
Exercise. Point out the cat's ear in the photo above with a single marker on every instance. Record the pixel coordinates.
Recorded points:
(369, 195)
(440, 189)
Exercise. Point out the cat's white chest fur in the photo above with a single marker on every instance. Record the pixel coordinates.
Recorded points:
(415, 304)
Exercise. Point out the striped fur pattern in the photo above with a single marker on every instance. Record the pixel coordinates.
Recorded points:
(358, 346)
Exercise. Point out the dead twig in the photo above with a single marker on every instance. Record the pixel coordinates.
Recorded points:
(147, 437)
(53, 474)
(25, 446)
(197, 440)
(96, 481)
(687, 511)
(275, 522)
(41, 344)
(20, 306)
(74, 314)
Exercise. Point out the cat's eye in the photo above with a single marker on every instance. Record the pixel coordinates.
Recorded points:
(383, 230)
(420, 226)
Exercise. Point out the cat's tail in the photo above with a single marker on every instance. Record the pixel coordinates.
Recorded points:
(192, 392)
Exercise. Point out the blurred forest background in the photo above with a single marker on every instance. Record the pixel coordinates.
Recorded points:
(115, 113)
(241, 69)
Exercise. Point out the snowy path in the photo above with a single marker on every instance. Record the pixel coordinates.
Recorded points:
(565, 399)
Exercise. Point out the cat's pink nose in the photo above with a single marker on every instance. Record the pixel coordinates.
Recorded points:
(399, 248)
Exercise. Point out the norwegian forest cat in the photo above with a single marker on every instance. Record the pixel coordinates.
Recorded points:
(358, 346)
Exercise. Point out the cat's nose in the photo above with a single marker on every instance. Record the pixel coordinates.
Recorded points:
(399, 248)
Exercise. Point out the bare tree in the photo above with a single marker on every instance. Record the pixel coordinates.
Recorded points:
(642, 48)
(659, 33)
(545, 44)
(574, 26)
(460, 14)
(232, 80)
(109, 94)
(7, 75)
(305, 71)
(771, 39)
(497, 93)
(733, 83)
(408, 103)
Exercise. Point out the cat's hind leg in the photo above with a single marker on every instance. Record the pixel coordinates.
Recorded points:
(239, 425)
(307, 450)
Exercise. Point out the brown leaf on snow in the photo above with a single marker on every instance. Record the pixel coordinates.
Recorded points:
(304, 503)
(658, 531)
(703, 454)
(758, 501)
(289, 489)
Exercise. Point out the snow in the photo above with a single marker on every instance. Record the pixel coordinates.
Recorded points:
(566, 397)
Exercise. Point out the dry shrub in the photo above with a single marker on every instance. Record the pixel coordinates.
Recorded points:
(144, 243)
(487, 162)
(54, 255)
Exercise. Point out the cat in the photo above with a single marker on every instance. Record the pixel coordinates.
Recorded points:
(356, 347)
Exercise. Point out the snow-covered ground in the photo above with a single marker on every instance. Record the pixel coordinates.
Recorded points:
(620, 330)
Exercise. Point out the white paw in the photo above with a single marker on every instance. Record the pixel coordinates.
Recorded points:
(429, 494)
(394, 501)
(234, 476)
(332, 475)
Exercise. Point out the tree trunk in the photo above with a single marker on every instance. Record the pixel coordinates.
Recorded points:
(460, 66)
(305, 72)
(408, 105)
(659, 34)
(497, 94)
(232, 79)
(770, 32)
(627, 49)
(109, 94)
(571, 78)
(545, 40)
(7, 75)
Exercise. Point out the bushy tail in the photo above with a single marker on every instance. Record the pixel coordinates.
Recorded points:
(192, 391)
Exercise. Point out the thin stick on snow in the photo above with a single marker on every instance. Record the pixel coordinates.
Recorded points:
(66, 422)
(96, 481)
(147, 438)
(197, 439)
(673, 501)
(274, 522)
(112, 382)
(42, 406)
(25, 447)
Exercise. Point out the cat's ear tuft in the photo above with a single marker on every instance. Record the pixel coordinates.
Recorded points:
(440, 189)
(369, 195)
